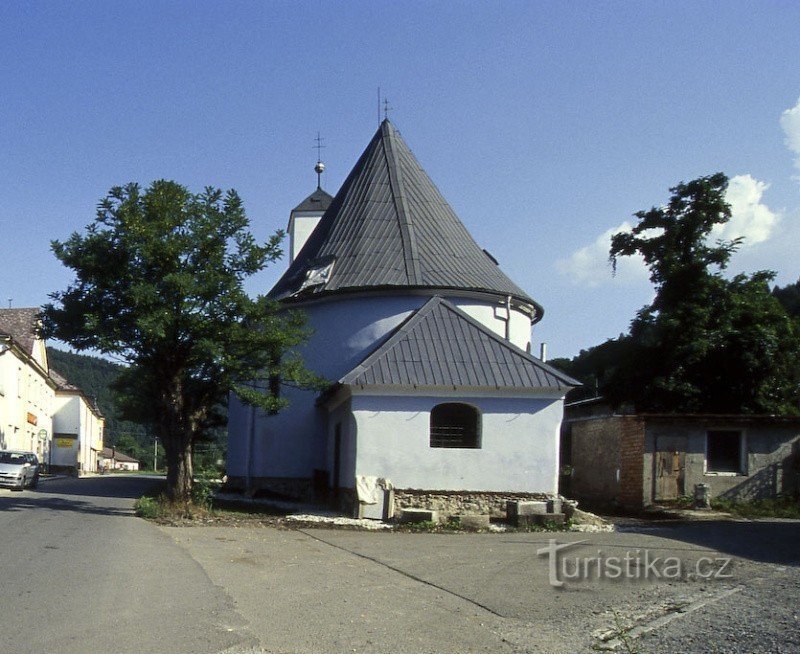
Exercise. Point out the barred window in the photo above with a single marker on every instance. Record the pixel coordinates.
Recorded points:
(455, 425)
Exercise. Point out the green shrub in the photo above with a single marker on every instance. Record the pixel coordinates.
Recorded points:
(203, 491)
(148, 507)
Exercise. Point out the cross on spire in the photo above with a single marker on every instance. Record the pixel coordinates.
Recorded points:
(320, 167)
(318, 147)
(386, 108)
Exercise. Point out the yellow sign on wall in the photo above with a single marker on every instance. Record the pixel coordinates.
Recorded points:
(65, 442)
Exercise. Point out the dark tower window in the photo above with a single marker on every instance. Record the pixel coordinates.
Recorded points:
(455, 425)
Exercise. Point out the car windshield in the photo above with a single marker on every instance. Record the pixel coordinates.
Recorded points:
(12, 457)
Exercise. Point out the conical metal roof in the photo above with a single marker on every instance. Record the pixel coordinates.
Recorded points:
(389, 228)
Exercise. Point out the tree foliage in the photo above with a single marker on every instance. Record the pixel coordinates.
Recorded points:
(706, 343)
(159, 284)
(789, 297)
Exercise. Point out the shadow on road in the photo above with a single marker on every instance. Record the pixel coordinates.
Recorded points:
(768, 541)
(38, 502)
(126, 487)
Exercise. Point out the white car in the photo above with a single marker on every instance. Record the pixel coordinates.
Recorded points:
(19, 469)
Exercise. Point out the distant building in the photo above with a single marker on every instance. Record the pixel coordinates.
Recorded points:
(77, 429)
(111, 459)
(427, 343)
(40, 411)
(27, 393)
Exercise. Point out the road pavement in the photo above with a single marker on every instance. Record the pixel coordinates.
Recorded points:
(83, 575)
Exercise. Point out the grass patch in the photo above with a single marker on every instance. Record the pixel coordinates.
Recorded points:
(780, 507)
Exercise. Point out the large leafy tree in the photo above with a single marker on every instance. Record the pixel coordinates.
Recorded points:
(706, 343)
(159, 284)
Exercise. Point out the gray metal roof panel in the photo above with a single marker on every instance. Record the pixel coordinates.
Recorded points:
(389, 227)
(440, 345)
(319, 200)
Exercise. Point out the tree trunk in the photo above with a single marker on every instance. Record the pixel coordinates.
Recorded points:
(178, 449)
(176, 435)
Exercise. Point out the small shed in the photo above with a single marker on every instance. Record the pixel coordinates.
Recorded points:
(640, 460)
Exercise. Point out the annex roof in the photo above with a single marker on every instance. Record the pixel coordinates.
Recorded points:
(20, 325)
(389, 227)
(440, 345)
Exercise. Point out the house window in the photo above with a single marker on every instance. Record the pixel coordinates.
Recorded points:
(455, 425)
(724, 451)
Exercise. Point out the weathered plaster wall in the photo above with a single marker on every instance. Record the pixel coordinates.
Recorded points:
(519, 444)
(771, 452)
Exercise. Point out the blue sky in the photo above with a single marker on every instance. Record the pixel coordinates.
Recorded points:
(545, 125)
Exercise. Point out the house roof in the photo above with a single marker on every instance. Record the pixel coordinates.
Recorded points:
(20, 325)
(62, 384)
(111, 453)
(389, 227)
(440, 345)
(319, 200)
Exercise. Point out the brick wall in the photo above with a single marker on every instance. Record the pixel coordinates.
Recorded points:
(607, 460)
(631, 463)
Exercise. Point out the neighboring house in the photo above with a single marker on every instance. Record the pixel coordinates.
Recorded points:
(111, 459)
(427, 343)
(636, 461)
(26, 391)
(77, 429)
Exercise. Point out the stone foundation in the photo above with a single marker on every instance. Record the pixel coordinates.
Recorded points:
(449, 503)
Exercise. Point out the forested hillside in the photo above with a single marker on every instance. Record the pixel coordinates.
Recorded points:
(95, 377)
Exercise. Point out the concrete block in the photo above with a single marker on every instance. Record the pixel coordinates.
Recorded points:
(519, 507)
(538, 519)
(473, 521)
(554, 506)
(419, 515)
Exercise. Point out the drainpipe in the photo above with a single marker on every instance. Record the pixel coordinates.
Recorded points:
(508, 318)
(543, 352)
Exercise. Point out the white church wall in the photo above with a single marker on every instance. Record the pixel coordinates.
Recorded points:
(288, 444)
(494, 316)
(519, 444)
(345, 330)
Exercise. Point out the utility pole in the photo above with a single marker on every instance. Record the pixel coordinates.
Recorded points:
(155, 456)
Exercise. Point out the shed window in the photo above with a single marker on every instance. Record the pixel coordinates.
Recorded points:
(724, 451)
(455, 425)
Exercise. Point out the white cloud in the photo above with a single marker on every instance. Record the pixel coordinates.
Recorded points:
(589, 265)
(750, 217)
(790, 123)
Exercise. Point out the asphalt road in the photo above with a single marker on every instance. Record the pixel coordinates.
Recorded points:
(83, 575)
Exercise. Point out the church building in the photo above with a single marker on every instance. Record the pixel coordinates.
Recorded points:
(426, 343)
